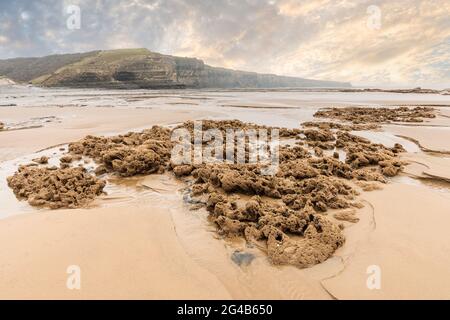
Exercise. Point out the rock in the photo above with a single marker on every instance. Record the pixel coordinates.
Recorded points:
(101, 169)
(319, 135)
(66, 159)
(41, 160)
(368, 186)
(341, 126)
(283, 211)
(183, 170)
(349, 216)
(364, 115)
(55, 188)
(318, 151)
(242, 258)
(321, 239)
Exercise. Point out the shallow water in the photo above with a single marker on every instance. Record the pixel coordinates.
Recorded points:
(10, 205)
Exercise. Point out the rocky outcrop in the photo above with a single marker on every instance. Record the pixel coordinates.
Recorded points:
(285, 214)
(365, 115)
(54, 187)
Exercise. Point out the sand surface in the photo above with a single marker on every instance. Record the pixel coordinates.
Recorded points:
(74, 123)
(147, 249)
(119, 251)
(428, 138)
(409, 244)
(144, 243)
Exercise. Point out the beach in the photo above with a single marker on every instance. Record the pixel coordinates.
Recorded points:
(143, 241)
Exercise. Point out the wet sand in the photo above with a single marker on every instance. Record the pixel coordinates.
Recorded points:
(409, 244)
(146, 244)
(74, 124)
(120, 252)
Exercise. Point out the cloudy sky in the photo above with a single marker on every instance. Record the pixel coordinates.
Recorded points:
(389, 43)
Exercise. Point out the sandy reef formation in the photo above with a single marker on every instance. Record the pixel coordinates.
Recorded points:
(285, 214)
(41, 160)
(54, 187)
(341, 126)
(363, 115)
(130, 154)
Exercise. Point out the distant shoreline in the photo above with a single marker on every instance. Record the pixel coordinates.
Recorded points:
(7, 82)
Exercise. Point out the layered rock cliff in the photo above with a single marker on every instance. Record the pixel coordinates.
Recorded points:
(140, 68)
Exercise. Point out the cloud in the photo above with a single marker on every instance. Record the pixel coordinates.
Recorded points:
(321, 39)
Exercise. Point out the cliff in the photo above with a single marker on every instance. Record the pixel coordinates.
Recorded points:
(140, 68)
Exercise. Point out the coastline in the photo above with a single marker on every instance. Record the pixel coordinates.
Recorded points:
(117, 245)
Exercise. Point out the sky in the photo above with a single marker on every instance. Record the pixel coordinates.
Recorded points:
(368, 43)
